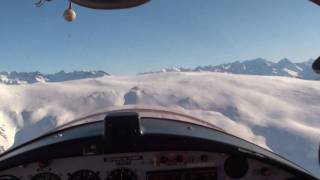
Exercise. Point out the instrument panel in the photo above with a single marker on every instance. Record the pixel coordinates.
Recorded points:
(172, 165)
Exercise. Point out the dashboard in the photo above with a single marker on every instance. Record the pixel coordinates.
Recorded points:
(163, 165)
(144, 145)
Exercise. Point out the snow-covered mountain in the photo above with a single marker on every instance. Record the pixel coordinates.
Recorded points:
(35, 77)
(259, 66)
(278, 113)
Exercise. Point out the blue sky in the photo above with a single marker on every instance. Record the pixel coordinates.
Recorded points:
(162, 33)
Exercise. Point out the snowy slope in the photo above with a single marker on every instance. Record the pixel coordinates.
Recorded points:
(278, 113)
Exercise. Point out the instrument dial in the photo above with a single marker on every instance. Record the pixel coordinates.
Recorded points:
(8, 177)
(45, 176)
(122, 174)
(84, 175)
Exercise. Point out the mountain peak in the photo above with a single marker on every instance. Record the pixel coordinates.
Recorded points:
(284, 60)
(257, 60)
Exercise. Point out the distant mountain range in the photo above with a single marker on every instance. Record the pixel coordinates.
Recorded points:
(258, 66)
(36, 77)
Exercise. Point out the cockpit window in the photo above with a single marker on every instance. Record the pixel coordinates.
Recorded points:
(242, 66)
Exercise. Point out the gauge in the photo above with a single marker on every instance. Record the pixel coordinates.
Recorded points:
(236, 166)
(122, 174)
(8, 177)
(46, 176)
(84, 175)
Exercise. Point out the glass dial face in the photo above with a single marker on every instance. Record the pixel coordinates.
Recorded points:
(46, 176)
(8, 177)
(84, 175)
(122, 174)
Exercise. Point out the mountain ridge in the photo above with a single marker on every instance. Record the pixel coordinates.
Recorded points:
(258, 66)
(16, 78)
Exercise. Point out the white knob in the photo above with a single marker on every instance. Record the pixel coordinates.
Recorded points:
(70, 15)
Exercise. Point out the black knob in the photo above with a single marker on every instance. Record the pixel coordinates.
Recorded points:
(179, 158)
(316, 66)
(204, 158)
(236, 166)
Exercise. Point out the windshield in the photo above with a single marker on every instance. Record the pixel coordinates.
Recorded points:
(244, 66)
